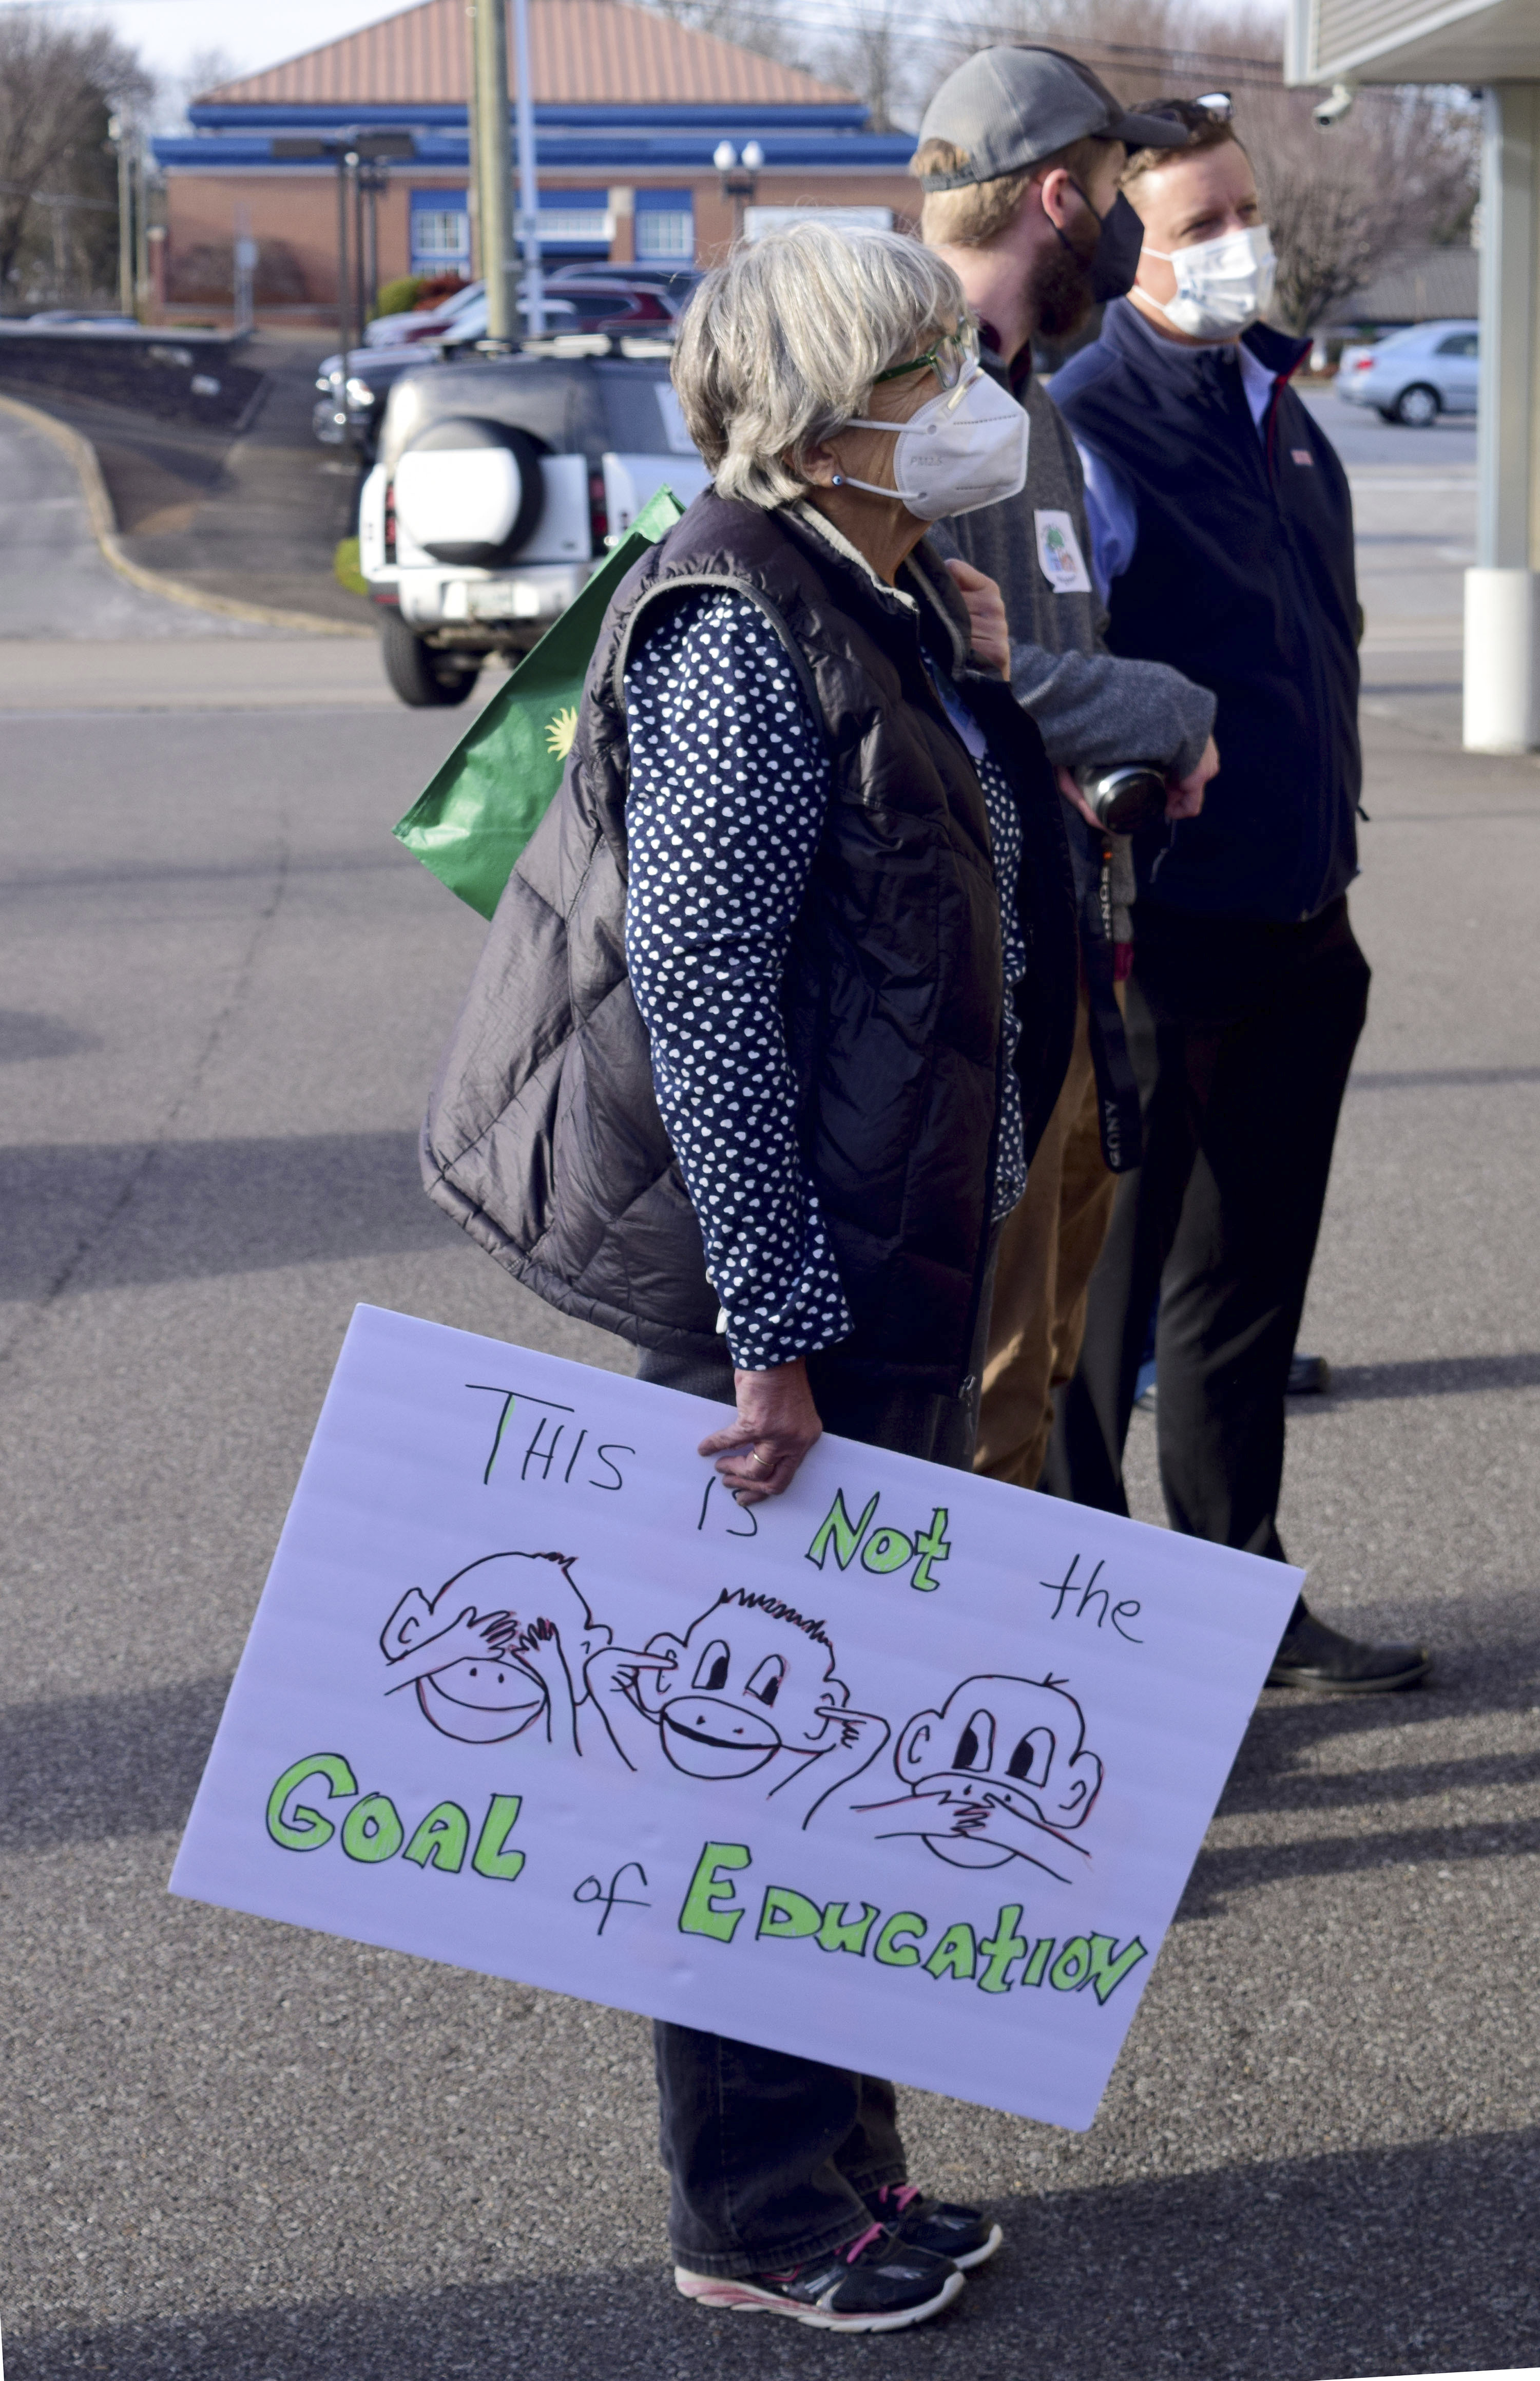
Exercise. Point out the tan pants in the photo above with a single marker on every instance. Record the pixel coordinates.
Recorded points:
(1047, 1246)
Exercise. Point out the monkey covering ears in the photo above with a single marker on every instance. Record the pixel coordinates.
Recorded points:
(517, 1669)
(1000, 1773)
(748, 1692)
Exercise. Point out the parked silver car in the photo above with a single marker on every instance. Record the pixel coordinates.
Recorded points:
(1415, 375)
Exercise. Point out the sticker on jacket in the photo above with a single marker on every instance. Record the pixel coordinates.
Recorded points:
(1059, 552)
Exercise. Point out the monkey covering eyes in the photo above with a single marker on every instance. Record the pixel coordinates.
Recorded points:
(515, 1670)
(1000, 1773)
(748, 1692)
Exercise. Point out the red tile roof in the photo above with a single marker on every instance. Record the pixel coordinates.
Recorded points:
(583, 51)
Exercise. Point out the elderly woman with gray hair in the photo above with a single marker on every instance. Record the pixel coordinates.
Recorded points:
(767, 1026)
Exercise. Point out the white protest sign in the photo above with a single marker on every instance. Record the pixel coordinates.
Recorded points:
(904, 1770)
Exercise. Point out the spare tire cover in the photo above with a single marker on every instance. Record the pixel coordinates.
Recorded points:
(470, 491)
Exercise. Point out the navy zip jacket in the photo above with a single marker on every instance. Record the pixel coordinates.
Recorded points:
(1242, 579)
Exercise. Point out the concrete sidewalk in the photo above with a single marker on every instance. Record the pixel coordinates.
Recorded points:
(267, 672)
(252, 517)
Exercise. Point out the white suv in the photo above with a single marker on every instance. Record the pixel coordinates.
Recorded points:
(500, 487)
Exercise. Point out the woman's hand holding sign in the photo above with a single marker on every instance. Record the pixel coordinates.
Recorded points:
(777, 1424)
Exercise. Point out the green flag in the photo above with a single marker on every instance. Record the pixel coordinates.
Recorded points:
(471, 823)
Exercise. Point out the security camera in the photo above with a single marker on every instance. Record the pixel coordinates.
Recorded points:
(1332, 111)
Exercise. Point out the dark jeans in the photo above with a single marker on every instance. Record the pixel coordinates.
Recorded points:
(768, 2155)
(1241, 1036)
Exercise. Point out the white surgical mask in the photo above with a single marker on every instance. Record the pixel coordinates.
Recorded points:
(1222, 286)
(962, 450)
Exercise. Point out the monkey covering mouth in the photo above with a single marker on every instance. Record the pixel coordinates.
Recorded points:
(1000, 1773)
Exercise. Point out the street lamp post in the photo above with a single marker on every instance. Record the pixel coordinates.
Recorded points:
(121, 137)
(353, 152)
(740, 178)
(141, 232)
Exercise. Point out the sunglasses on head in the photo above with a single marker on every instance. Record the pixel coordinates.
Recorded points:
(1214, 107)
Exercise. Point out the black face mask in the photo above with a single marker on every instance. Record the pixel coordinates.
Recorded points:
(1114, 261)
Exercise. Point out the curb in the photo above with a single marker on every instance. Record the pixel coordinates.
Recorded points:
(99, 510)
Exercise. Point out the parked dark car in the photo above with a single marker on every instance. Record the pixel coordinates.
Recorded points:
(607, 309)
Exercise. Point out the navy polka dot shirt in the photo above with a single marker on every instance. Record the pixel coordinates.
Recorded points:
(730, 783)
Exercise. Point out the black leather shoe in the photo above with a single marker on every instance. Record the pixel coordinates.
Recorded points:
(1311, 1654)
(1309, 1376)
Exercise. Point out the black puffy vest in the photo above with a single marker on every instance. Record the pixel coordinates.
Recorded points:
(543, 1138)
(1242, 579)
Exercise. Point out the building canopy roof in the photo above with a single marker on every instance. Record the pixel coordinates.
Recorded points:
(586, 53)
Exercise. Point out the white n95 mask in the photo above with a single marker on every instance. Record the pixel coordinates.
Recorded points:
(1222, 286)
(961, 450)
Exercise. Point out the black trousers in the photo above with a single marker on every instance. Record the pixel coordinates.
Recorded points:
(769, 2154)
(1241, 1036)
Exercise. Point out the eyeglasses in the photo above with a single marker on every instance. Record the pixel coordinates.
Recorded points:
(953, 357)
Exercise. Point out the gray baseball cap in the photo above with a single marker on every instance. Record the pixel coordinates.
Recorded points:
(1008, 108)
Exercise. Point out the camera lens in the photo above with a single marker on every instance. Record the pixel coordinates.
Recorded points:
(1127, 798)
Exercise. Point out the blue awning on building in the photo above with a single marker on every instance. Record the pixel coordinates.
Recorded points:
(576, 139)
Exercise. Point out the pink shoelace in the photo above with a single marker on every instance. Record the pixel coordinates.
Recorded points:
(900, 2194)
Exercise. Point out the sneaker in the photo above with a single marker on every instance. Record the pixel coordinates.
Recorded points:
(960, 2233)
(877, 2283)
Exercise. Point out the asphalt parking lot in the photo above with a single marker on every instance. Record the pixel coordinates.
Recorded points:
(235, 2150)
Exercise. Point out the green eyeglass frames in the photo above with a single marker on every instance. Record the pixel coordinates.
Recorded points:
(953, 357)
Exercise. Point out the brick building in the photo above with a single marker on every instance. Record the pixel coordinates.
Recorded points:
(629, 108)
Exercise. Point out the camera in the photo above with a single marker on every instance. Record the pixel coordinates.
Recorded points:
(1125, 796)
(1332, 111)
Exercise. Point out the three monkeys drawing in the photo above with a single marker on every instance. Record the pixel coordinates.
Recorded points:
(510, 1648)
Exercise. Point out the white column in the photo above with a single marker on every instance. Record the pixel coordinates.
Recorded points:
(1502, 600)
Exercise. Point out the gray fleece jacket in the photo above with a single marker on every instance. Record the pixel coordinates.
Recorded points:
(1090, 705)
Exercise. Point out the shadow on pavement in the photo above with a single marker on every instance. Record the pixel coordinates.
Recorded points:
(1440, 1079)
(1398, 2260)
(1240, 1868)
(28, 1033)
(81, 1769)
(1427, 1377)
(119, 1212)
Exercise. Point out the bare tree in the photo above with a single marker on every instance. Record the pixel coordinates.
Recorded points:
(204, 71)
(1401, 173)
(58, 85)
(876, 57)
(759, 25)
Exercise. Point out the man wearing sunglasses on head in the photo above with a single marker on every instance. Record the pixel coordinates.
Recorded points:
(1020, 157)
(1222, 532)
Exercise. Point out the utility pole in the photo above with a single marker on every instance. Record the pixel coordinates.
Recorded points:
(493, 166)
(528, 179)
